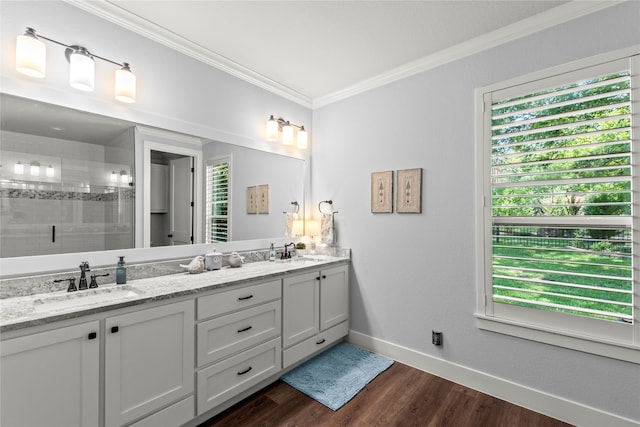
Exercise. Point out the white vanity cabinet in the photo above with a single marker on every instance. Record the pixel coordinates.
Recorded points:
(315, 312)
(149, 362)
(238, 341)
(51, 378)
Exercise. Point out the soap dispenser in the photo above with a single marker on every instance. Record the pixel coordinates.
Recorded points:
(272, 253)
(121, 272)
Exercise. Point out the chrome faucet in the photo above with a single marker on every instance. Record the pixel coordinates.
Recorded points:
(84, 267)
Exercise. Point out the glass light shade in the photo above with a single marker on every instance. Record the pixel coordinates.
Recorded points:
(303, 138)
(124, 177)
(272, 129)
(287, 134)
(50, 171)
(81, 70)
(114, 176)
(297, 228)
(312, 228)
(125, 85)
(30, 55)
(18, 168)
(35, 168)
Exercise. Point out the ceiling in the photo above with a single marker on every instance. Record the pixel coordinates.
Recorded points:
(313, 49)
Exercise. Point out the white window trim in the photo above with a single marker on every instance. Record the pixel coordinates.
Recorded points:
(213, 161)
(627, 345)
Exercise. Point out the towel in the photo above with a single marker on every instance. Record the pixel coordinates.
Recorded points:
(326, 228)
(289, 218)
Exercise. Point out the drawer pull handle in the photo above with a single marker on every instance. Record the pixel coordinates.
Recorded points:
(245, 329)
(114, 329)
(245, 371)
(244, 298)
(321, 341)
(92, 335)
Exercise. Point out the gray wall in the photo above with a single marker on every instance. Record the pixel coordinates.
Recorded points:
(414, 273)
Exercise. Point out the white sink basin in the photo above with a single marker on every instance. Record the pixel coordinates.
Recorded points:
(78, 299)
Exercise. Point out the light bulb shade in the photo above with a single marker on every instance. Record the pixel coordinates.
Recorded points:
(125, 85)
(18, 168)
(124, 177)
(81, 70)
(297, 228)
(50, 171)
(287, 134)
(303, 138)
(114, 176)
(272, 129)
(35, 168)
(312, 228)
(30, 55)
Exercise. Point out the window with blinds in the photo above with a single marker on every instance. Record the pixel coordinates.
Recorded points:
(217, 227)
(561, 198)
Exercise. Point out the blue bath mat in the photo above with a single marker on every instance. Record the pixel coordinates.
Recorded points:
(335, 376)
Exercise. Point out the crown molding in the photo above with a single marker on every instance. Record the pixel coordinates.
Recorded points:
(552, 17)
(115, 14)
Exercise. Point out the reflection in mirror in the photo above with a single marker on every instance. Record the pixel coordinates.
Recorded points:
(66, 180)
(81, 198)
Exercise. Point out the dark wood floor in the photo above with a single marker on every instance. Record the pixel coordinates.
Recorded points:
(400, 396)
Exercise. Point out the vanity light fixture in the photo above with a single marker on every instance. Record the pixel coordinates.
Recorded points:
(31, 60)
(287, 128)
(124, 177)
(49, 171)
(114, 176)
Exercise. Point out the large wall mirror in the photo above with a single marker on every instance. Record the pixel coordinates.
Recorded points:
(69, 184)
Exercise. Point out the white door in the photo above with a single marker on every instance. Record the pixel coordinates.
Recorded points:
(181, 201)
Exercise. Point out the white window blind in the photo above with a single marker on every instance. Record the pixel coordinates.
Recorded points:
(561, 197)
(217, 200)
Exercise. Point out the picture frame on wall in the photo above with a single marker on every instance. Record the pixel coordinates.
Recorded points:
(382, 192)
(409, 191)
(263, 199)
(252, 200)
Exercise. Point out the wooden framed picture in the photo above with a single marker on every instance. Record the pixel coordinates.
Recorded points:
(409, 192)
(382, 192)
(263, 199)
(252, 200)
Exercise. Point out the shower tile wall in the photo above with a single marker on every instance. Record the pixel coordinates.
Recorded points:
(88, 211)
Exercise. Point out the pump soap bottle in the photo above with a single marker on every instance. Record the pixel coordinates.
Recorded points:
(121, 272)
(272, 253)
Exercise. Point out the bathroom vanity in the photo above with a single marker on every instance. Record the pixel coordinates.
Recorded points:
(168, 350)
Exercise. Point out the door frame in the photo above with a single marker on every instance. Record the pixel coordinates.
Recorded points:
(198, 178)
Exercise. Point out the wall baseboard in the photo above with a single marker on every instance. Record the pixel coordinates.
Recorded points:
(535, 400)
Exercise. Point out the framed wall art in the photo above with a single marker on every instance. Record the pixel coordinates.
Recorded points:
(252, 200)
(382, 192)
(263, 199)
(409, 192)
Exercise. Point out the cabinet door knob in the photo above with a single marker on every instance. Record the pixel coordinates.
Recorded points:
(114, 329)
(245, 329)
(244, 298)
(324, 276)
(245, 371)
(321, 341)
(318, 278)
(92, 335)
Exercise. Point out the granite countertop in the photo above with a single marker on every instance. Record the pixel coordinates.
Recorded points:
(25, 311)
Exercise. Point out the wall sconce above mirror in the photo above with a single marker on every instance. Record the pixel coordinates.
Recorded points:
(275, 126)
(31, 60)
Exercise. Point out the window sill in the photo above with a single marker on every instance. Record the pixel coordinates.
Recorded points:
(614, 350)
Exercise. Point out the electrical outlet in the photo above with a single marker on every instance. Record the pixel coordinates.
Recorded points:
(436, 338)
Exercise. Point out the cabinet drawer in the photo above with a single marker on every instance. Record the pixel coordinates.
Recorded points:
(226, 335)
(175, 415)
(237, 298)
(313, 344)
(226, 379)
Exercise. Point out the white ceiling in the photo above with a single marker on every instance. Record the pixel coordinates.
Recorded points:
(313, 49)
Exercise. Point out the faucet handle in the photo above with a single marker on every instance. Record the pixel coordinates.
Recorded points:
(93, 283)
